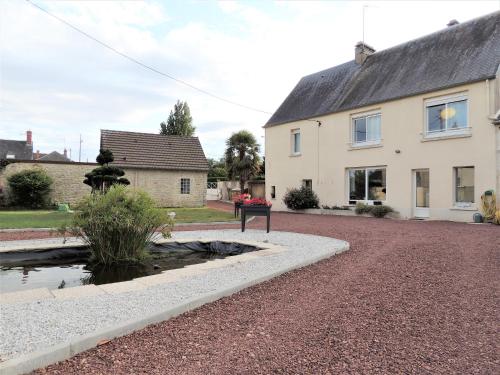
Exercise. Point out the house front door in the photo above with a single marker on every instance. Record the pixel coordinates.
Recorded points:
(421, 193)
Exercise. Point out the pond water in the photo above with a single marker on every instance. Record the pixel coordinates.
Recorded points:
(68, 267)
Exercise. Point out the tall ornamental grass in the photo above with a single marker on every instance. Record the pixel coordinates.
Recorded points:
(119, 225)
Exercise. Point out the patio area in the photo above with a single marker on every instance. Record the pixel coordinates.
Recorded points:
(410, 296)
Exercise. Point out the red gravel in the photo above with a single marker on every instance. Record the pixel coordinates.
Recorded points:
(27, 235)
(409, 297)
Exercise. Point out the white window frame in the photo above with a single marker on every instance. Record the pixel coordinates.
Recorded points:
(447, 99)
(455, 176)
(293, 151)
(367, 170)
(185, 185)
(365, 115)
(10, 156)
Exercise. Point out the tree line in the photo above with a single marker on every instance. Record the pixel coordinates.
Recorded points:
(241, 159)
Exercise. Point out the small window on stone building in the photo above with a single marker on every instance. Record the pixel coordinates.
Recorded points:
(185, 186)
(273, 192)
(308, 184)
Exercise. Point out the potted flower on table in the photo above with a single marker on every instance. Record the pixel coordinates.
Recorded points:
(255, 207)
(238, 200)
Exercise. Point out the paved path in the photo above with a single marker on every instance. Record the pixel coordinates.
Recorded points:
(410, 297)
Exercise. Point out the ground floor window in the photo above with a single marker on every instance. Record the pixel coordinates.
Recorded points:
(185, 186)
(464, 185)
(307, 184)
(273, 192)
(367, 184)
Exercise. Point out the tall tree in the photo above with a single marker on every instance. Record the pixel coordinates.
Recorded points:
(242, 156)
(179, 121)
(102, 178)
(216, 169)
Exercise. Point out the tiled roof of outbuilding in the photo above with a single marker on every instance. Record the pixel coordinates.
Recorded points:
(459, 54)
(20, 149)
(156, 151)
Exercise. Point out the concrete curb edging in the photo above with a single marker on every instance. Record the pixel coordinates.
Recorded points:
(32, 361)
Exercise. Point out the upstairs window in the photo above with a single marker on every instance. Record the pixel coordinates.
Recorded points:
(185, 186)
(296, 142)
(446, 116)
(366, 129)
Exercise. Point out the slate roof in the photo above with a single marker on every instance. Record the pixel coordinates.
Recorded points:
(53, 156)
(146, 150)
(459, 54)
(20, 149)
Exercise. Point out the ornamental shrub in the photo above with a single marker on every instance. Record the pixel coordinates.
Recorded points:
(376, 211)
(300, 199)
(119, 225)
(380, 211)
(362, 208)
(102, 178)
(30, 188)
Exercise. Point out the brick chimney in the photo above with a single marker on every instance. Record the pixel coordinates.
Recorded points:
(65, 153)
(361, 52)
(29, 138)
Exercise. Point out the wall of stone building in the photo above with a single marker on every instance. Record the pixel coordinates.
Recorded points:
(164, 186)
(68, 186)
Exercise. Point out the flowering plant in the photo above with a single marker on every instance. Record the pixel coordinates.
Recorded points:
(240, 198)
(257, 202)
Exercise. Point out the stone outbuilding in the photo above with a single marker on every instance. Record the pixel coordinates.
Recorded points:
(172, 169)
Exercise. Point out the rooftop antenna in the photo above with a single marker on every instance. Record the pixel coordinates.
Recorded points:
(363, 27)
(80, 150)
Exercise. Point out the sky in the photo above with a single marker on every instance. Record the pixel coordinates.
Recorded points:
(61, 84)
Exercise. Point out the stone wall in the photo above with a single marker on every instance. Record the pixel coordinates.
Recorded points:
(164, 186)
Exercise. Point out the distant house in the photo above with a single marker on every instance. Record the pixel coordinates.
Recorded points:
(52, 156)
(172, 169)
(18, 150)
(415, 126)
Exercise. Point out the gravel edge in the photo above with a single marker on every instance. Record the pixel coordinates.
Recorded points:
(28, 362)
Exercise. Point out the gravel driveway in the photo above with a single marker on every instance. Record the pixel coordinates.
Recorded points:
(410, 297)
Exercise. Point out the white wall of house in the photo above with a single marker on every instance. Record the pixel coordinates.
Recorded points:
(326, 153)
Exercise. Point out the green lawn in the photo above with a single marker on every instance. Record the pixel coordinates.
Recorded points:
(54, 219)
(200, 215)
(33, 219)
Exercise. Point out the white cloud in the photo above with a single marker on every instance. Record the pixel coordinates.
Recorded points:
(61, 84)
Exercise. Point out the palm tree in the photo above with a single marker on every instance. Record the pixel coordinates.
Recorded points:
(242, 156)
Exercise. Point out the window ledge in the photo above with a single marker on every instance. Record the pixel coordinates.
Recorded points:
(458, 208)
(295, 155)
(358, 146)
(445, 135)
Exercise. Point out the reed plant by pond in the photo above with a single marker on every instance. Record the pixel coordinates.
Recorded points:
(119, 225)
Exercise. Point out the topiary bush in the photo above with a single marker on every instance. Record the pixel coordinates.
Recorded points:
(30, 188)
(119, 225)
(102, 178)
(300, 199)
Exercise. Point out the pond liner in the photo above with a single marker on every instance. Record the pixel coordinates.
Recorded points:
(69, 255)
(212, 247)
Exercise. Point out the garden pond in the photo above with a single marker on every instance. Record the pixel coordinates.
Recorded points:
(59, 268)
